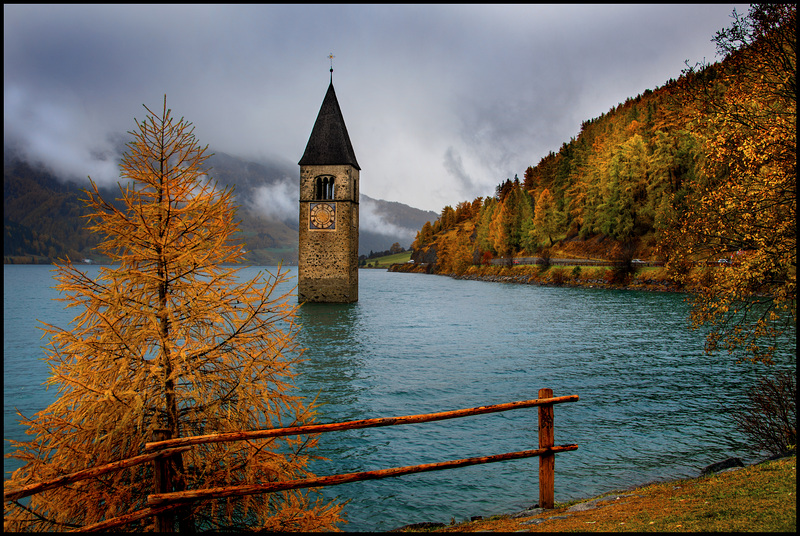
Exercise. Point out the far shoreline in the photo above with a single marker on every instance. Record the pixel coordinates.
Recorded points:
(599, 277)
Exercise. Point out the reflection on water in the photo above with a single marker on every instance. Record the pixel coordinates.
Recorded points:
(329, 335)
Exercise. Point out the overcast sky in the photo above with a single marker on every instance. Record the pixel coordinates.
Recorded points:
(442, 102)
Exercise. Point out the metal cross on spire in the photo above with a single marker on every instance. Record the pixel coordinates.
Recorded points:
(330, 57)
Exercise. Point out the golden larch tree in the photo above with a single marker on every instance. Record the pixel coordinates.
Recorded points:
(545, 220)
(169, 338)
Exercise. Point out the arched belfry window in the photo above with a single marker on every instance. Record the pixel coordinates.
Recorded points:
(325, 187)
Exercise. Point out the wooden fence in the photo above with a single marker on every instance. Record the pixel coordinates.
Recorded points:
(163, 451)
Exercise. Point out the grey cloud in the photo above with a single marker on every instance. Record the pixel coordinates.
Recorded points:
(276, 201)
(47, 132)
(494, 88)
(371, 219)
(466, 186)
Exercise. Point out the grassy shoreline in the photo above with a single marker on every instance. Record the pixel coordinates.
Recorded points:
(760, 497)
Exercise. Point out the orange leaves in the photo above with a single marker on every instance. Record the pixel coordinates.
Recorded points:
(747, 211)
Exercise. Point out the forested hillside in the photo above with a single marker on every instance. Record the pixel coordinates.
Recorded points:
(42, 216)
(618, 179)
(637, 171)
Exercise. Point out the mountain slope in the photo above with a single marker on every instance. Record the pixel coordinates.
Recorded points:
(42, 214)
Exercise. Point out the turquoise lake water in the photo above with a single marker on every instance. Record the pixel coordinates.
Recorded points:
(652, 404)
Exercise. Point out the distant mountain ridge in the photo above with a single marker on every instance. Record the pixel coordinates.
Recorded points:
(42, 212)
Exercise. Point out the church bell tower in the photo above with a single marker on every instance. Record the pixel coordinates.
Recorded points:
(329, 194)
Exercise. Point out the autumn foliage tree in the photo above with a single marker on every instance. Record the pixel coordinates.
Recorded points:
(745, 211)
(168, 338)
(546, 220)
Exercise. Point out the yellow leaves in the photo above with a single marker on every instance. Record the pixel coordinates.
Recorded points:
(750, 205)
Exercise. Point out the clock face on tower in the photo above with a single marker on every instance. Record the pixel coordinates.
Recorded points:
(322, 216)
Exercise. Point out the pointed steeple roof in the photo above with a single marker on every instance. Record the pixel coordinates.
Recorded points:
(329, 143)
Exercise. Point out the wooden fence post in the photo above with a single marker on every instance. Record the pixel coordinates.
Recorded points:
(546, 461)
(162, 481)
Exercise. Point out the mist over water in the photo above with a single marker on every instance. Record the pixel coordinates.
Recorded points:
(652, 404)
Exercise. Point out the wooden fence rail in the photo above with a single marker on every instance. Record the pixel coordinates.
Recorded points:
(85, 474)
(162, 499)
(162, 503)
(353, 425)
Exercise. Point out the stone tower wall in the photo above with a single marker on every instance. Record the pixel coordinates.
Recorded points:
(328, 259)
